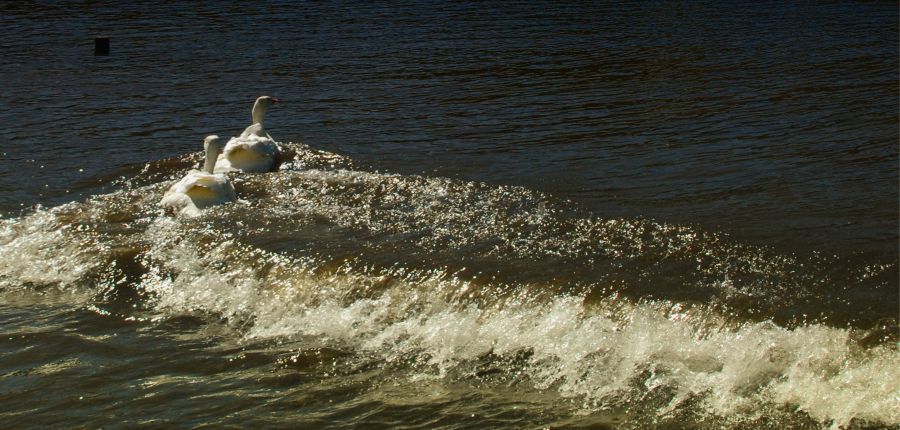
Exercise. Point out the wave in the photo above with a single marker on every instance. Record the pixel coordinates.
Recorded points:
(453, 279)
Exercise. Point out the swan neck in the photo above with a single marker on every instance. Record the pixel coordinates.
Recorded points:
(212, 153)
(259, 112)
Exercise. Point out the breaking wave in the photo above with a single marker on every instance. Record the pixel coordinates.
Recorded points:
(495, 285)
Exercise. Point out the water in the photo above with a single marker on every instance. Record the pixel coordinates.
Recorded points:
(532, 215)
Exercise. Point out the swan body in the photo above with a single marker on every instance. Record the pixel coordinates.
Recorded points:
(253, 154)
(254, 150)
(200, 189)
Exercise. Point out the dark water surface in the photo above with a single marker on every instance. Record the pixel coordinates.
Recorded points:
(516, 215)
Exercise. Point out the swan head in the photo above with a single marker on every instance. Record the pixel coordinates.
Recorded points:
(212, 142)
(262, 104)
(266, 101)
(213, 147)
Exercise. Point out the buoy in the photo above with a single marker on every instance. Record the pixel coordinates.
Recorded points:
(101, 45)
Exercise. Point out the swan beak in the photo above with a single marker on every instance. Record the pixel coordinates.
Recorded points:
(274, 100)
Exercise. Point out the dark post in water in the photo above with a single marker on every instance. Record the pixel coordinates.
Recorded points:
(101, 45)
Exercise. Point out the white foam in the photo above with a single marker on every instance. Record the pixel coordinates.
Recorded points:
(604, 354)
(39, 249)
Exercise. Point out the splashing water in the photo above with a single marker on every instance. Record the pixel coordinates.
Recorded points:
(495, 286)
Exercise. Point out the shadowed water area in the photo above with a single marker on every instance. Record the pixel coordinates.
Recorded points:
(520, 215)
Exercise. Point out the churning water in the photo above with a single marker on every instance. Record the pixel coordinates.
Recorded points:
(519, 215)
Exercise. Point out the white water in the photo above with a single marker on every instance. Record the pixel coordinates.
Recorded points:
(607, 354)
(611, 354)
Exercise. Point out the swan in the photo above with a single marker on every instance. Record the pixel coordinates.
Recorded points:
(254, 150)
(200, 189)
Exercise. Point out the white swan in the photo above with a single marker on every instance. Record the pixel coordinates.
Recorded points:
(199, 190)
(254, 150)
